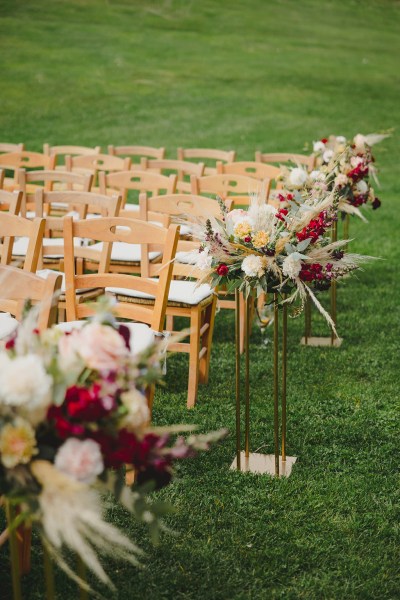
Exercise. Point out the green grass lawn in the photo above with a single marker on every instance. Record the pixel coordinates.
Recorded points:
(267, 75)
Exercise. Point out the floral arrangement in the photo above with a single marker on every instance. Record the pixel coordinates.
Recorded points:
(344, 167)
(73, 413)
(284, 250)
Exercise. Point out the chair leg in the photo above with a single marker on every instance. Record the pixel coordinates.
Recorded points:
(169, 323)
(209, 317)
(195, 324)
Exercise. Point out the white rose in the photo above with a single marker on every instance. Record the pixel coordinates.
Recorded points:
(234, 217)
(68, 347)
(362, 187)
(138, 411)
(253, 266)
(24, 382)
(341, 139)
(291, 266)
(340, 180)
(101, 346)
(318, 146)
(356, 160)
(81, 460)
(297, 177)
(204, 260)
(317, 175)
(327, 155)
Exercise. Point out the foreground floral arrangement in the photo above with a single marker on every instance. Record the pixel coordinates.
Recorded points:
(73, 413)
(286, 251)
(345, 167)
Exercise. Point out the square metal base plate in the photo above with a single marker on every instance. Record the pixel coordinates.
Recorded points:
(321, 341)
(264, 464)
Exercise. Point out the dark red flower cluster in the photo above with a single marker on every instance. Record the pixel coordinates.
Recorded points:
(222, 269)
(316, 272)
(286, 197)
(324, 140)
(376, 203)
(358, 200)
(281, 214)
(358, 173)
(315, 228)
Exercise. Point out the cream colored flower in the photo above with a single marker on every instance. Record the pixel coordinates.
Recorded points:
(24, 382)
(297, 177)
(17, 443)
(318, 146)
(341, 180)
(138, 410)
(260, 239)
(242, 229)
(253, 266)
(291, 266)
(204, 260)
(362, 187)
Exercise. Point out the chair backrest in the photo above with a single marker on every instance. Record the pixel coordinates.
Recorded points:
(31, 181)
(17, 286)
(284, 157)
(249, 168)
(238, 187)
(10, 201)
(11, 147)
(60, 151)
(136, 151)
(117, 229)
(14, 161)
(140, 181)
(181, 168)
(209, 156)
(93, 163)
(183, 206)
(12, 226)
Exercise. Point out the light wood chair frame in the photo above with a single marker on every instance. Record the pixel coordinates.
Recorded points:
(12, 226)
(209, 154)
(139, 151)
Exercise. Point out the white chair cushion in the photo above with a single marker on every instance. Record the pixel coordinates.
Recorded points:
(7, 325)
(187, 292)
(43, 273)
(187, 258)
(186, 230)
(123, 251)
(132, 207)
(141, 334)
(21, 244)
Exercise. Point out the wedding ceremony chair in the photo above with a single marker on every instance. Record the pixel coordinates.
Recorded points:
(183, 169)
(13, 161)
(30, 231)
(16, 288)
(136, 152)
(258, 170)
(186, 299)
(31, 181)
(6, 148)
(305, 160)
(239, 188)
(209, 156)
(10, 201)
(60, 152)
(93, 163)
(145, 319)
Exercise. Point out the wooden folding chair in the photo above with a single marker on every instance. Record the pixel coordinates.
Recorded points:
(209, 156)
(17, 286)
(183, 169)
(13, 161)
(62, 151)
(93, 163)
(285, 157)
(32, 181)
(10, 201)
(11, 148)
(13, 226)
(148, 317)
(186, 299)
(238, 188)
(135, 152)
(249, 168)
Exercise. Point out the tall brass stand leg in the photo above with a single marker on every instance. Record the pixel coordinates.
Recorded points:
(333, 285)
(48, 574)
(14, 554)
(276, 384)
(307, 319)
(249, 300)
(284, 369)
(237, 381)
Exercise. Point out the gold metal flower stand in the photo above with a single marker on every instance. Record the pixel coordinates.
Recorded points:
(331, 341)
(278, 463)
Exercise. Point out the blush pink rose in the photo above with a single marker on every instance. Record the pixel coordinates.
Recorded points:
(81, 460)
(101, 347)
